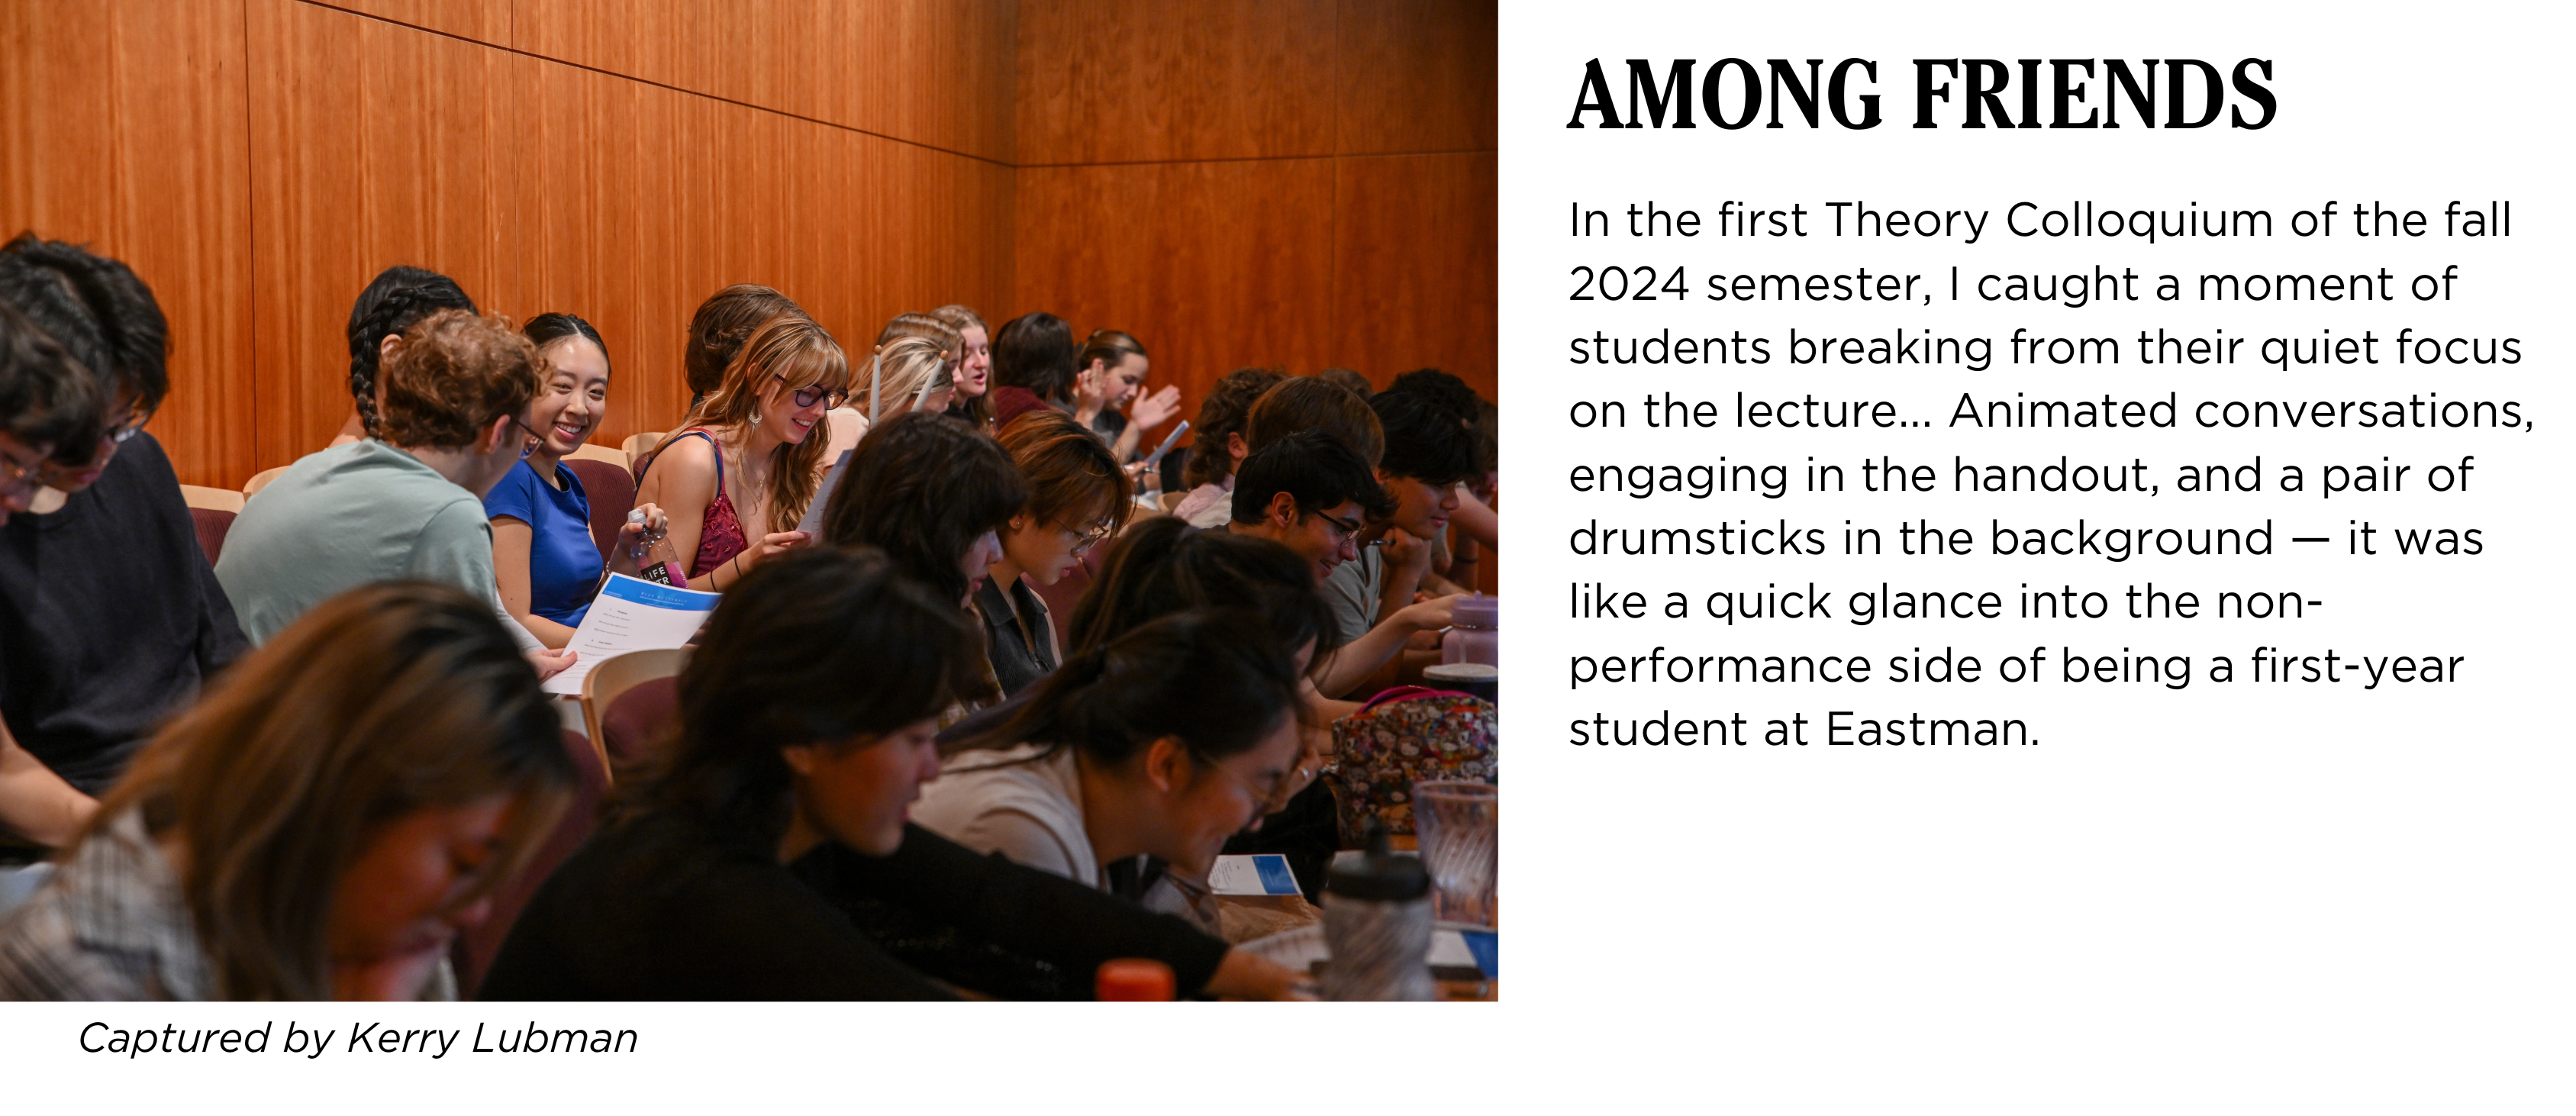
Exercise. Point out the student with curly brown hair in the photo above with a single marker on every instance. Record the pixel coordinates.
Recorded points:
(408, 505)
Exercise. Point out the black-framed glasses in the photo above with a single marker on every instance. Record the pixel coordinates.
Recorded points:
(1343, 530)
(133, 426)
(814, 393)
(528, 446)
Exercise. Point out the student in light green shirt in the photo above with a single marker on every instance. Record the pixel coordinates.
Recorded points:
(407, 507)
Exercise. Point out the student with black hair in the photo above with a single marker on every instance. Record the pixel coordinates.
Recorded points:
(1162, 742)
(805, 723)
(46, 400)
(110, 617)
(543, 554)
(1428, 451)
(1311, 494)
(395, 299)
(933, 496)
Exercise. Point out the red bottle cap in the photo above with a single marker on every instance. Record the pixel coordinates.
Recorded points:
(1132, 978)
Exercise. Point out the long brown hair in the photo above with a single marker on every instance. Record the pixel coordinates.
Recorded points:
(789, 347)
(383, 700)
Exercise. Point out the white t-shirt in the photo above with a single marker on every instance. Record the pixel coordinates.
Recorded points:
(1030, 812)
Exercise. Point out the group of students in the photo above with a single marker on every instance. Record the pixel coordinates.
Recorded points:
(300, 771)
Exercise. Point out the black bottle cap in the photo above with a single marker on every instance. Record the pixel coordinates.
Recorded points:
(1378, 875)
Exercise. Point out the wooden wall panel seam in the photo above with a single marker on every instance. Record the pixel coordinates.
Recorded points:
(683, 90)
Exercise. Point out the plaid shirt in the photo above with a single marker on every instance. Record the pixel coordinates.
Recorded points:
(111, 925)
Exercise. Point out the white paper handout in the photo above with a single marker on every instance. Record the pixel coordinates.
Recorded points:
(1262, 874)
(631, 614)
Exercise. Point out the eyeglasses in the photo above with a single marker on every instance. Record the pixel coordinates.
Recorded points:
(1343, 530)
(133, 426)
(813, 394)
(1085, 540)
(1265, 796)
(529, 446)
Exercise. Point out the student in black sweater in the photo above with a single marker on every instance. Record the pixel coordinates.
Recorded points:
(110, 616)
(806, 718)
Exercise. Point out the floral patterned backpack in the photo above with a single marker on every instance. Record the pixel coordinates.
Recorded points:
(1402, 737)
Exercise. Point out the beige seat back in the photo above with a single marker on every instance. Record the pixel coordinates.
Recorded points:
(260, 480)
(211, 499)
(600, 688)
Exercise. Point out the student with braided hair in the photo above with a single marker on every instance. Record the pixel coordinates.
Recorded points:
(395, 299)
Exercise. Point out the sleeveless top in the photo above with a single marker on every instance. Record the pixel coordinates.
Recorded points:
(720, 535)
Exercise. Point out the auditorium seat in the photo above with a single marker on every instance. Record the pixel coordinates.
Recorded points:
(212, 526)
(626, 729)
(612, 494)
(260, 480)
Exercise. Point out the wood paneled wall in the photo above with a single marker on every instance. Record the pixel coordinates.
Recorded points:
(1302, 182)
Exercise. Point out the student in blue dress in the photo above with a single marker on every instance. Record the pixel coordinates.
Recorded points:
(543, 555)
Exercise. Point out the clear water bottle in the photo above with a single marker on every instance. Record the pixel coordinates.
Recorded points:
(658, 562)
(1377, 923)
(1474, 636)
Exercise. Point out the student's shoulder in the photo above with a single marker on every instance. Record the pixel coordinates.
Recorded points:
(515, 495)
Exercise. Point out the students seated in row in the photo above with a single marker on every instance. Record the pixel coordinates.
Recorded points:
(1109, 374)
(395, 299)
(319, 826)
(545, 557)
(974, 365)
(1427, 454)
(1163, 742)
(736, 474)
(1077, 497)
(685, 892)
(932, 496)
(720, 326)
(455, 388)
(110, 617)
(1217, 447)
(46, 400)
(1032, 366)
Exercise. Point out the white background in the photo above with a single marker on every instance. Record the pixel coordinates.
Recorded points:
(2235, 898)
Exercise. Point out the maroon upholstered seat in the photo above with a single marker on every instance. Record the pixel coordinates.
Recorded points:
(612, 494)
(212, 525)
(638, 722)
(476, 946)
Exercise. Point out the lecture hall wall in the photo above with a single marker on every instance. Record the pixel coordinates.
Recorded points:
(1280, 182)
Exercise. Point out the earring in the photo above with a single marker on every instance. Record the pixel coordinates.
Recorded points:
(755, 418)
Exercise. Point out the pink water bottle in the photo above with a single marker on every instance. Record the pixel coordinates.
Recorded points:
(1472, 636)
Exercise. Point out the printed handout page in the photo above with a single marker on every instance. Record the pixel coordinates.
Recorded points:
(631, 614)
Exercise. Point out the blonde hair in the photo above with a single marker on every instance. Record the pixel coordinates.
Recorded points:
(789, 348)
(950, 340)
(382, 701)
(909, 366)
